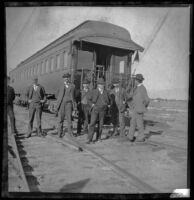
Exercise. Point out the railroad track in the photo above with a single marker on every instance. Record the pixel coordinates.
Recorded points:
(32, 178)
(28, 149)
(18, 166)
(149, 141)
(70, 142)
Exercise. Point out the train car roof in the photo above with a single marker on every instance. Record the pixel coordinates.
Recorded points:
(98, 32)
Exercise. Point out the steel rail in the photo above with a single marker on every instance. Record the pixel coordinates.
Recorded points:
(152, 142)
(134, 180)
(26, 186)
(143, 186)
(131, 180)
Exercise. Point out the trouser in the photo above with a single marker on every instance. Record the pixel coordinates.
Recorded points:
(136, 121)
(65, 111)
(118, 119)
(95, 115)
(35, 108)
(84, 117)
(11, 115)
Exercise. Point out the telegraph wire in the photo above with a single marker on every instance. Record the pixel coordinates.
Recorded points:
(20, 33)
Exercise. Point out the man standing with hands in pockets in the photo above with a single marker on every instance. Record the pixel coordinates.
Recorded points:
(36, 97)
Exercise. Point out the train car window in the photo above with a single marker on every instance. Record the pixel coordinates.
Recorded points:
(22, 74)
(65, 59)
(31, 71)
(52, 64)
(47, 66)
(58, 61)
(43, 71)
(34, 70)
(119, 65)
(85, 59)
(38, 69)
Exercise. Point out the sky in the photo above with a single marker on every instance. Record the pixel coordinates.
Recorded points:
(164, 62)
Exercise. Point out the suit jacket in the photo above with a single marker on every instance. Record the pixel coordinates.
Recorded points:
(40, 91)
(61, 94)
(95, 94)
(121, 98)
(86, 95)
(140, 99)
(10, 95)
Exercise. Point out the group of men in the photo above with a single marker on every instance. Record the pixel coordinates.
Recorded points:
(92, 106)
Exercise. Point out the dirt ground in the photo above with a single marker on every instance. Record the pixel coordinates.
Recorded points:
(161, 167)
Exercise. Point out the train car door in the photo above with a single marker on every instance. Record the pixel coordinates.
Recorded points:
(84, 67)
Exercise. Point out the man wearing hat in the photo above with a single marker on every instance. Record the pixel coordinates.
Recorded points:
(10, 112)
(65, 104)
(36, 97)
(100, 100)
(84, 108)
(140, 102)
(118, 106)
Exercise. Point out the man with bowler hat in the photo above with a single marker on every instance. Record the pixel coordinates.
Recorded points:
(36, 97)
(140, 102)
(84, 108)
(10, 112)
(65, 105)
(100, 101)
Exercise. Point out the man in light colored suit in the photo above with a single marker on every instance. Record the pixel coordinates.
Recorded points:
(140, 102)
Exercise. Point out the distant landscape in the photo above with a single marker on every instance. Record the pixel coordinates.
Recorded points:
(169, 94)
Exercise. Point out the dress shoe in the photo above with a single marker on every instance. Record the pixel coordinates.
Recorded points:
(29, 135)
(61, 135)
(140, 140)
(98, 140)
(115, 134)
(41, 135)
(132, 139)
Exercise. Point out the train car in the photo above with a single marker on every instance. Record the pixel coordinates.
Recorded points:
(91, 50)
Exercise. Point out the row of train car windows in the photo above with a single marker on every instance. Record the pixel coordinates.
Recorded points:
(46, 66)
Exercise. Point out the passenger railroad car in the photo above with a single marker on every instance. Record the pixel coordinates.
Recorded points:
(91, 50)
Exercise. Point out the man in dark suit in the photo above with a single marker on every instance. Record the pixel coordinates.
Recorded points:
(100, 100)
(117, 109)
(140, 102)
(84, 108)
(36, 97)
(10, 112)
(65, 105)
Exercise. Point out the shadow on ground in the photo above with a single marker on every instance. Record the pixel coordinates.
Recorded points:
(75, 187)
(28, 169)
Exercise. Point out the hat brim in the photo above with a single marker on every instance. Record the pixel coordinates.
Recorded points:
(139, 79)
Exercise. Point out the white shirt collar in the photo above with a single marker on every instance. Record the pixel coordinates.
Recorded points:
(100, 90)
(66, 85)
(139, 84)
